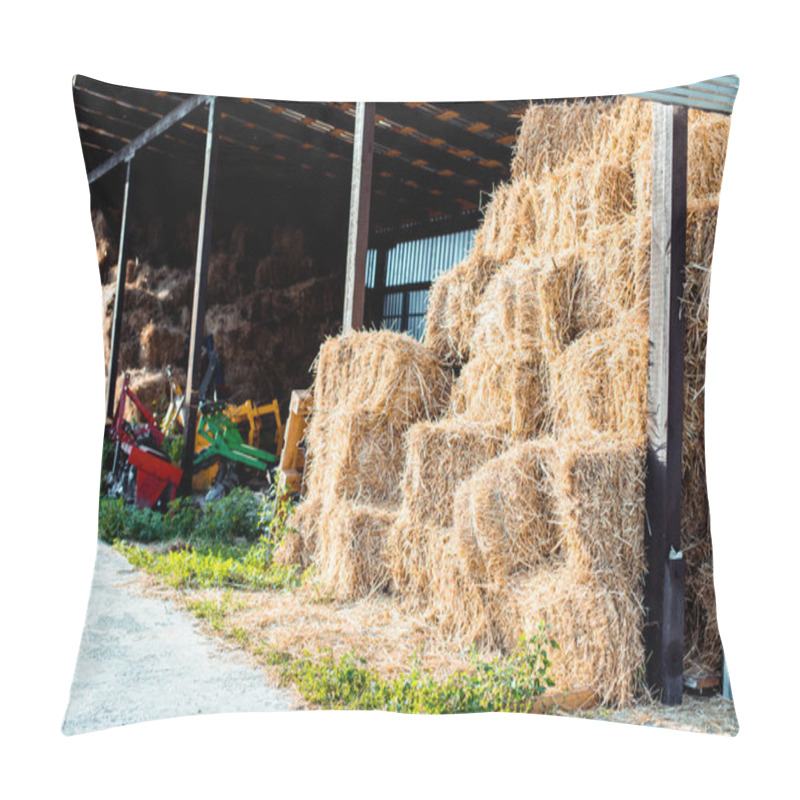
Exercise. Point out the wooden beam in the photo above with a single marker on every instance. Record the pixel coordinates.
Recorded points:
(119, 299)
(665, 583)
(358, 235)
(193, 376)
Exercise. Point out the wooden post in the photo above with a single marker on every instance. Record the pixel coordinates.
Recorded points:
(665, 582)
(193, 376)
(381, 259)
(119, 299)
(358, 234)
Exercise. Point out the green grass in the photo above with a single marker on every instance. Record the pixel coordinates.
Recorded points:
(246, 567)
(513, 683)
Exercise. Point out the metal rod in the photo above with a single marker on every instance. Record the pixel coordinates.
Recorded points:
(358, 235)
(199, 302)
(119, 299)
(665, 582)
(147, 136)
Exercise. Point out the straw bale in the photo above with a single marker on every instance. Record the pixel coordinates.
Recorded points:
(365, 458)
(456, 600)
(496, 239)
(105, 240)
(702, 644)
(495, 388)
(383, 372)
(505, 514)
(706, 148)
(440, 456)
(350, 548)
(600, 491)
(552, 131)
(598, 628)
(617, 263)
(279, 270)
(600, 381)
(162, 345)
(301, 535)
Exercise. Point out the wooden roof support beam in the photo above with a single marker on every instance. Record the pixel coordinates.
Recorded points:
(665, 582)
(358, 234)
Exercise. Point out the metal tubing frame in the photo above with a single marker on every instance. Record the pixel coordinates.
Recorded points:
(119, 300)
(358, 233)
(147, 136)
(199, 302)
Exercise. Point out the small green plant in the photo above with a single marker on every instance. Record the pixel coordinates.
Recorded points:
(275, 516)
(173, 448)
(237, 515)
(235, 566)
(513, 683)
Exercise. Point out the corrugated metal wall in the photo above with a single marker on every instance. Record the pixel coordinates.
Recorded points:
(421, 260)
(409, 264)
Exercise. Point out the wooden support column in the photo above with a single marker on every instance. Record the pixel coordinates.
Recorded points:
(119, 298)
(358, 234)
(193, 376)
(381, 259)
(665, 582)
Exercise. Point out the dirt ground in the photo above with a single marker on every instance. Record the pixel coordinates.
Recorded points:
(389, 638)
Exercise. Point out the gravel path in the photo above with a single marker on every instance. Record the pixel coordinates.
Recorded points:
(141, 659)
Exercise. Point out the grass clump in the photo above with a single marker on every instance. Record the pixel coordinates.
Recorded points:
(513, 683)
(214, 566)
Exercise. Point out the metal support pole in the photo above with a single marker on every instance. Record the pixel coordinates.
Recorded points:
(358, 234)
(665, 582)
(193, 376)
(119, 299)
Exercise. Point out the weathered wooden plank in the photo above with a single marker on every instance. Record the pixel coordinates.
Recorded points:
(193, 376)
(119, 299)
(664, 587)
(358, 235)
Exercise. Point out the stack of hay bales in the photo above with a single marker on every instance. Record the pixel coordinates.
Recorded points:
(267, 313)
(525, 502)
(369, 388)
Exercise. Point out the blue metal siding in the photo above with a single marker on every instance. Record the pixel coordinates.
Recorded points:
(421, 260)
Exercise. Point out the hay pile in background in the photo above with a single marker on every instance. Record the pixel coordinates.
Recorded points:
(267, 313)
(369, 388)
(525, 503)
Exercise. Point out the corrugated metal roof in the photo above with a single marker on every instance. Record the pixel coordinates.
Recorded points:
(717, 94)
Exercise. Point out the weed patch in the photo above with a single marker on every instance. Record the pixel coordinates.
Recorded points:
(513, 683)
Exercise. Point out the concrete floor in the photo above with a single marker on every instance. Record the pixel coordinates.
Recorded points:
(141, 659)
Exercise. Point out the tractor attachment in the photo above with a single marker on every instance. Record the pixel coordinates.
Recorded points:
(141, 473)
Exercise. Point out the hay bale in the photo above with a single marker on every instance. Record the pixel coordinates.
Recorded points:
(600, 507)
(599, 382)
(597, 628)
(382, 372)
(364, 458)
(706, 148)
(552, 131)
(162, 345)
(301, 535)
(440, 456)
(496, 389)
(451, 306)
(505, 514)
(349, 555)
